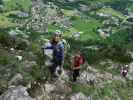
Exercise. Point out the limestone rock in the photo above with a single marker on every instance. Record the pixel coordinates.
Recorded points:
(16, 80)
(79, 96)
(16, 93)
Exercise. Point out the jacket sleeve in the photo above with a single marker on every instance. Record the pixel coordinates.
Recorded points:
(47, 45)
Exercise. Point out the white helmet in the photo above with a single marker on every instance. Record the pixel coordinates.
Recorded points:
(126, 66)
(57, 32)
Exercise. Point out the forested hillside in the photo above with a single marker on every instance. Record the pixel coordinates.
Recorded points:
(101, 29)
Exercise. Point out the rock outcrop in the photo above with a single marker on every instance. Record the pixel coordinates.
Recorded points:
(16, 93)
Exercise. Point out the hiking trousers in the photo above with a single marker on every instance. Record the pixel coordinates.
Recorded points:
(75, 74)
(53, 69)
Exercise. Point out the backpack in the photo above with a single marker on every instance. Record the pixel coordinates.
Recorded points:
(82, 60)
(79, 61)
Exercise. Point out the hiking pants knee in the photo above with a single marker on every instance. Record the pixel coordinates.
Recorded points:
(53, 68)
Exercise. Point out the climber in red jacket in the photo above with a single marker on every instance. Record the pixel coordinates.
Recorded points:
(77, 61)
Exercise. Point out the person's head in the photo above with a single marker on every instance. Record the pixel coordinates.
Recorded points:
(57, 36)
(126, 66)
(78, 53)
